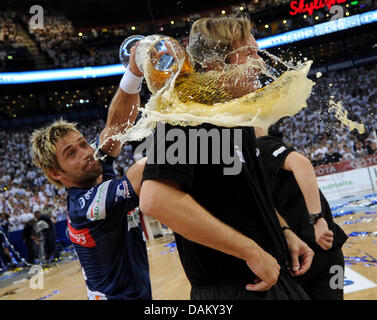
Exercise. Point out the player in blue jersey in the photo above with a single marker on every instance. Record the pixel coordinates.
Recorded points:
(103, 220)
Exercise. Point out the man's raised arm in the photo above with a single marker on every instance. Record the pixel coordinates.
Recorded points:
(123, 109)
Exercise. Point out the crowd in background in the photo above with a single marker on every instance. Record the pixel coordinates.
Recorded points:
(58, 40)
(317, 133)
(8, 30)
(314, 131)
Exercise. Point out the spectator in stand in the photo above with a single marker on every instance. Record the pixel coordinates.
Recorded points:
(371, 147)
(30, 239)
(347, 154)
(332, 156)
(359, 151)
(50, 234)
(7, 260)
(322, 150)
(41, 229)
(5, 224)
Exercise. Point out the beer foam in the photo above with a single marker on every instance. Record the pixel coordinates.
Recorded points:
(284, 95)
(342, 115)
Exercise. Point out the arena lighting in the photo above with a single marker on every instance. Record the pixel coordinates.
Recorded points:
(118, 69)
(318, 30)
(61, 74)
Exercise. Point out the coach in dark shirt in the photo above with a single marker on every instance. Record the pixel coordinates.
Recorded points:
(295, 193)
(187, 191)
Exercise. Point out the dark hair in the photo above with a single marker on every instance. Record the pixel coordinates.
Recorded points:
(274, 132)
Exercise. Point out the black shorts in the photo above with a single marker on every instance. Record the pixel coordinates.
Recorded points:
(316, 282)
(285, 289)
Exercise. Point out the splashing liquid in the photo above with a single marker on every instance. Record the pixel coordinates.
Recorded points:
(342, 115)
(181, 96)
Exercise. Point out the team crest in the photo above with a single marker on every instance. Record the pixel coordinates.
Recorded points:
(122, 192)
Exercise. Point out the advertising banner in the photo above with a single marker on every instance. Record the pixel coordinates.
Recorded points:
(347, 183)
(363, 162)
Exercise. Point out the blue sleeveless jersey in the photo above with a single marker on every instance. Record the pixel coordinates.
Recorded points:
(104, 227)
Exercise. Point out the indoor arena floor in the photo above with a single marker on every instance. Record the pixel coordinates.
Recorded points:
(65, 281)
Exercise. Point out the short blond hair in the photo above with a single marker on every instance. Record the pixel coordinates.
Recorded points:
(212, 39)
(43, 143)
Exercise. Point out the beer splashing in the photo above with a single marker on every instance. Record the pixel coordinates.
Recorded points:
(342, 115)
(182, 96)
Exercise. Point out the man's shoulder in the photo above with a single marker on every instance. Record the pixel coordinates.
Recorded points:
(92, 204)
(76, 194)
(270, 141)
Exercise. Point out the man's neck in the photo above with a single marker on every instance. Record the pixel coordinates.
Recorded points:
(86, 184)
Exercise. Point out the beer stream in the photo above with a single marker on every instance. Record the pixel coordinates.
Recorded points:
(181, 96)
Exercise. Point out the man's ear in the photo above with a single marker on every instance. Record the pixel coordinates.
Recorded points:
(55, 174)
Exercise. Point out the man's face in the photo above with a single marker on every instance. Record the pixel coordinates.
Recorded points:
(76, 160)
(244, 50)
(247, 78)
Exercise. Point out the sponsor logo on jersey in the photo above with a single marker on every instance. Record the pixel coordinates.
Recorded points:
(88, 194)
(133, 219)
(81, 237)
(82, 202)
(279, 151)
(123, 191)
(97, 209)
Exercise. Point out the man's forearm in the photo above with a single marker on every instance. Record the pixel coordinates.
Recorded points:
(180, 212)
(122, 114)
(307, 182)
(124, 107)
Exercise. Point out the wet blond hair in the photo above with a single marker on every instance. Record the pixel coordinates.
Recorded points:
(43, 143)
(212, 39)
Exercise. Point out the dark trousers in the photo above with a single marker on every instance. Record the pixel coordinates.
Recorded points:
(51, 244)
(30, 251)
(316, 281)
(285, 289)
